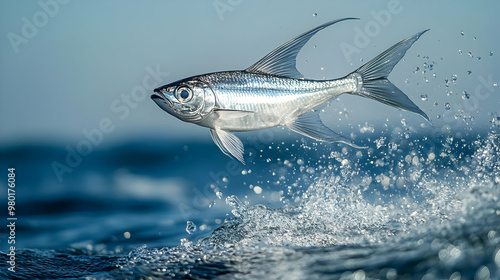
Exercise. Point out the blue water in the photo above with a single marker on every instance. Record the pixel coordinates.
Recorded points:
(409, 207)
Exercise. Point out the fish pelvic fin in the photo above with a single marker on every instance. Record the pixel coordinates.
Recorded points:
(375, 84)
(310, 125)
(228, 143)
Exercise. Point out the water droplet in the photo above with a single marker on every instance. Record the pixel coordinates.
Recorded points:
(212, 203)
(425, 65)
(465, 95)
(478, 58)
(435, 104)
(391, 274)
(361, 59)
(315, 46)
(462, 33)
(431, 66)
(483, 273)
(403, 122)
(190, 227)
(459, 51)
(447, 106)
(380, 142)
(407, 134)
(454, 77)
(225, 179)
(491, 53)
(469, 72)
(474, 38)
(238, 207)
(469, 54)
(367, 128)
(393, 146)
(423, 97)
(231, 201)
(315, 14)
(257, 189)
(496, 121)
(449, 140)
(218, 193)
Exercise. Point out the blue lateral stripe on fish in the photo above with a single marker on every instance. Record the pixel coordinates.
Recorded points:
(272, 92)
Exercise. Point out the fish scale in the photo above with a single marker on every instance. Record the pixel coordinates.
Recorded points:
(270, 95)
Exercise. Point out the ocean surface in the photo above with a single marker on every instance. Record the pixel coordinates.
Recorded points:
(411, 206)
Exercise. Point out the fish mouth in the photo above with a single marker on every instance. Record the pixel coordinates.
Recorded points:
(158, 97)
(161, 101)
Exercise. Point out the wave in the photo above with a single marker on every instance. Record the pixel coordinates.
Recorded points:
(434, 214)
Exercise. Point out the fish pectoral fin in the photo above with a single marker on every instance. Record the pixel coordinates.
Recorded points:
(282, 60)
(310, 125)
(229, 144)
(232, 114)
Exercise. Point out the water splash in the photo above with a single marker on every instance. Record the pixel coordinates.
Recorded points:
(384, 207)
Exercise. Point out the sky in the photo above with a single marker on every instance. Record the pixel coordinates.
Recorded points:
(69, 69)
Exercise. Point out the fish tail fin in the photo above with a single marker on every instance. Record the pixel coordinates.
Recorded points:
(375, 84)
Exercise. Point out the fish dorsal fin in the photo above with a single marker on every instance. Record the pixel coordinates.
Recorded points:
(232, 114)
(282, 60)
(310, 125)
(228, 143)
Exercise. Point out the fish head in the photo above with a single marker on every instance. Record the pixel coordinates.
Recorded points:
(189, 100)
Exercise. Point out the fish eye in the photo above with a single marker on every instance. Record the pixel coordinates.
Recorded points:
(184, 94)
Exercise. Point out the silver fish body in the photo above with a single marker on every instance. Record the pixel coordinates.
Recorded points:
(272, 92)
(258, 101)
